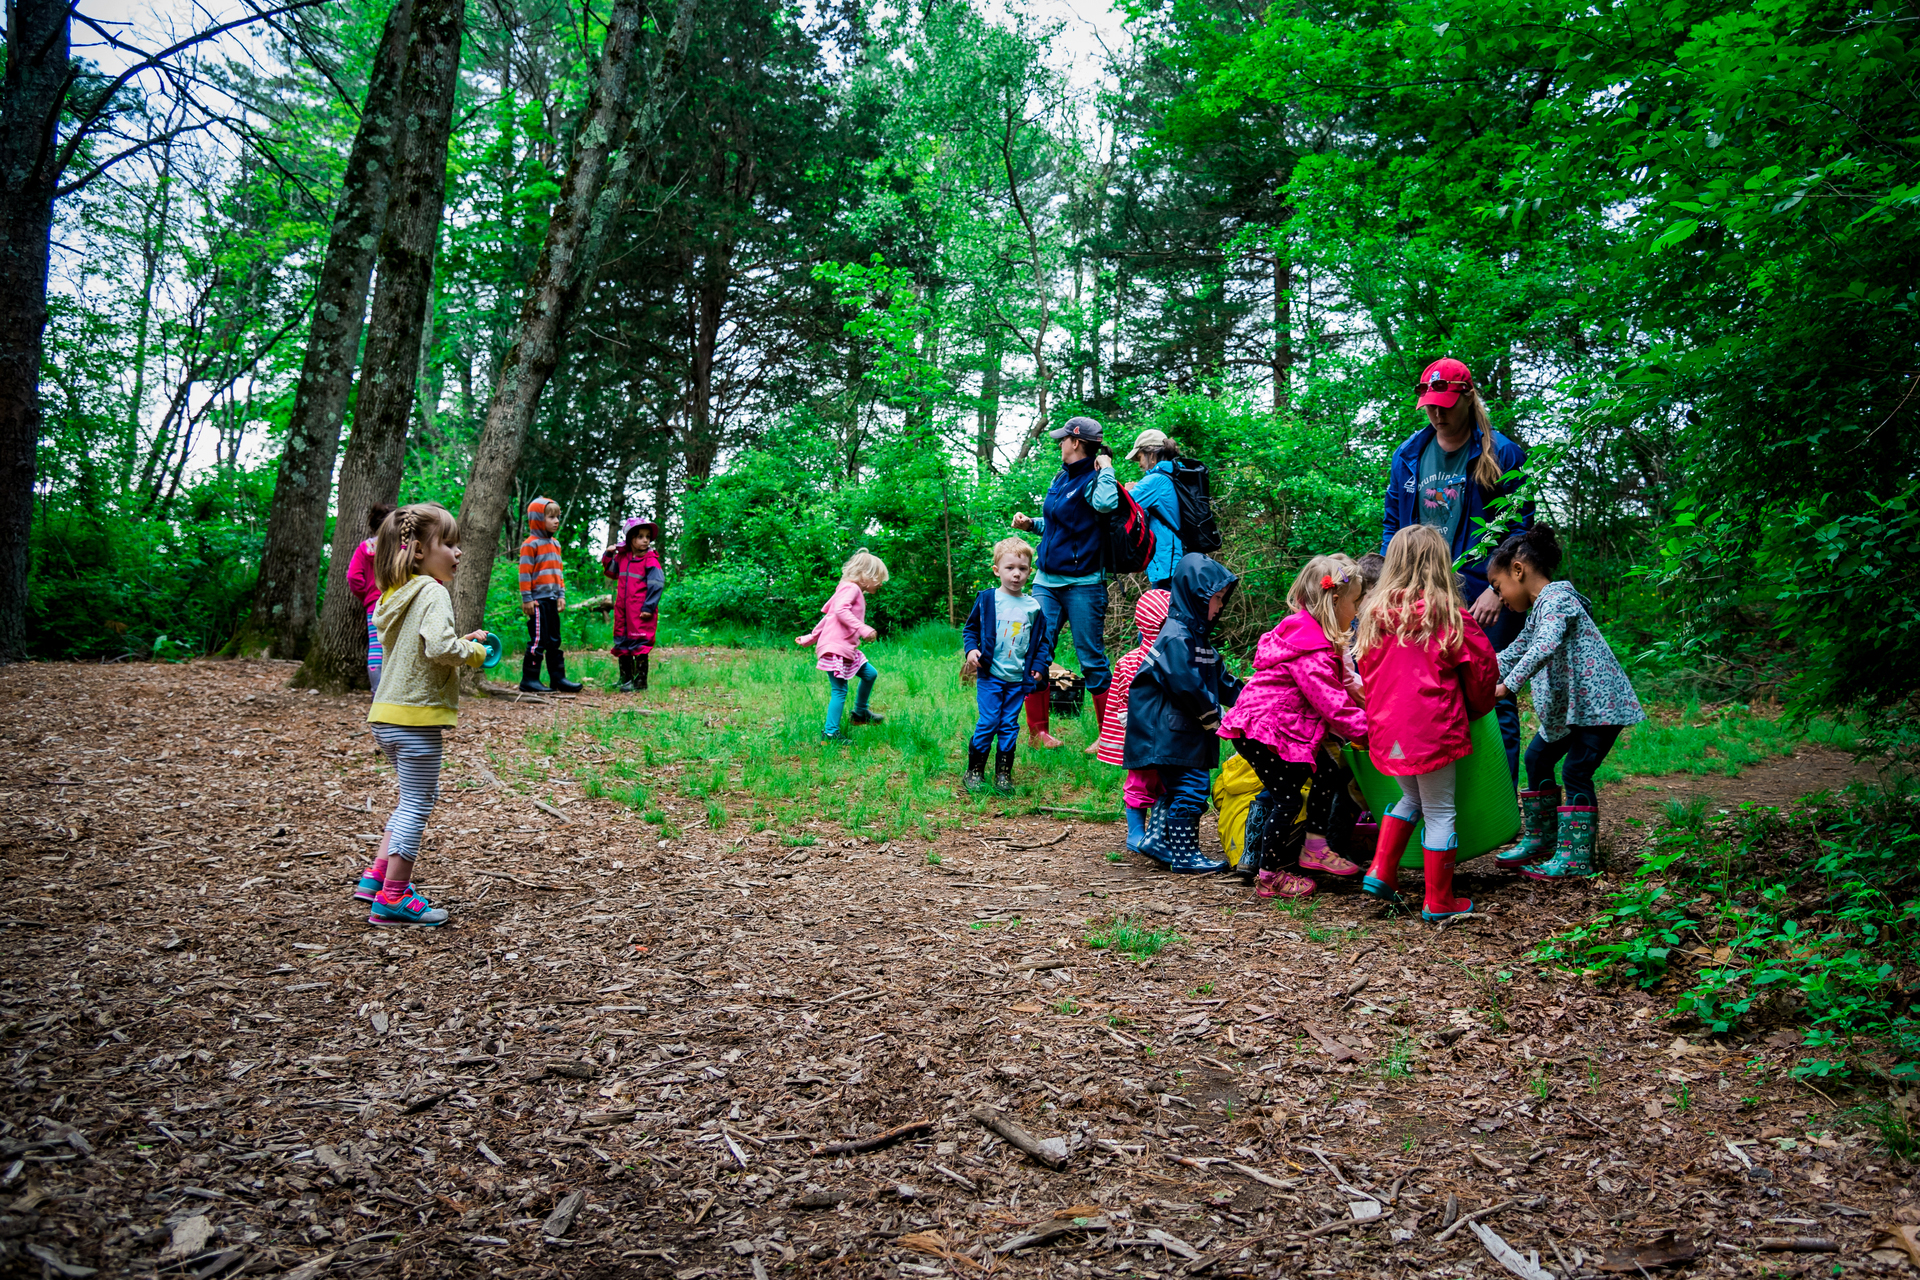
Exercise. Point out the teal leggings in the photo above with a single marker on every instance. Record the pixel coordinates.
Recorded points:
(837, 697)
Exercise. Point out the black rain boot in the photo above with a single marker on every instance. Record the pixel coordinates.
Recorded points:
(557, 672)
(976, 771)
(1003, 772)
(626, 673)
(640, 673)
(530, 673)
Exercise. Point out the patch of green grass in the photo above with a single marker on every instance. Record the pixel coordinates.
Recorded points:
(933, 859)
(1540, 1084)
(979, 925)
(1067, 1006)
(1895, 1125)
(1305, 913)
(1722, 741)
(1115, 857)
(1204, 989)
(742, 729)
(1683, 1098)
(1131, 936)
(1398, 1063)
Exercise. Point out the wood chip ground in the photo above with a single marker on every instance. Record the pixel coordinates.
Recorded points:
(213, 1066)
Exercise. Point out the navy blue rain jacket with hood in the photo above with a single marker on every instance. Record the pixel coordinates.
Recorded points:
(1174, 707)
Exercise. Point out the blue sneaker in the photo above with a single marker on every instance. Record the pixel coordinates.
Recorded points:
(412, 909)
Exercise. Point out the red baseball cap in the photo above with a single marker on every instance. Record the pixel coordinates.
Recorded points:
(1443, 382)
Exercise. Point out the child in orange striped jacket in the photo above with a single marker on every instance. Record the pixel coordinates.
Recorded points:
(543, 594)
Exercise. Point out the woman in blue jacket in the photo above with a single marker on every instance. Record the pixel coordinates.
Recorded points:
(1068, 580)
(1446, 475)
(1154, 491)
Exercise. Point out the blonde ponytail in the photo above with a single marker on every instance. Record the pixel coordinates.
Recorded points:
(1486, 468)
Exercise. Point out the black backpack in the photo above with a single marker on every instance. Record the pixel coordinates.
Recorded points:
(1193, 490)
(1126, 543)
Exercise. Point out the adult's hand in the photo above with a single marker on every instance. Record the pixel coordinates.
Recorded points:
(1487, 607)
(1022, 522)
(1102, 462)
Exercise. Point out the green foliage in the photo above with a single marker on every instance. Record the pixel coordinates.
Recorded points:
(1131, 936)
(161, 589)
(1812, 916)
(1720, 742)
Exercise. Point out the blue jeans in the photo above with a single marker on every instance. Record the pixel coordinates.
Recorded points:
(999, 704)
(1584, 747)
(1187, 791)
(837, 697)
(1085, 609)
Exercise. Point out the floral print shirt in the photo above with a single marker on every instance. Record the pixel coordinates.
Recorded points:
(1576, 678)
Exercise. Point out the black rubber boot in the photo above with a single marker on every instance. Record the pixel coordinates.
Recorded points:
(557, 673)
(530, 673)
(640, 673)
(1003, 772)
(976, 771)
(626, 674)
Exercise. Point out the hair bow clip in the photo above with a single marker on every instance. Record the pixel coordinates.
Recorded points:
(1326, 582)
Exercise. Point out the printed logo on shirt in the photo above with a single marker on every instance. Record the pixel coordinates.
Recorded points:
(1396, 753)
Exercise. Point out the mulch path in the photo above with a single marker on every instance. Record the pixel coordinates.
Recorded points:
(626, 1054)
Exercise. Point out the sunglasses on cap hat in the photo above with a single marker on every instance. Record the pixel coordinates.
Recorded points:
(1443, 384)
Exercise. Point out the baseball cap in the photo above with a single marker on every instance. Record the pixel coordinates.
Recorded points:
(1078, 428)
(1149, 439)
(1443, 382)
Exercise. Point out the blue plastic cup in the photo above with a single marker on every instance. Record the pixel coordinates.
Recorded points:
(495, 648)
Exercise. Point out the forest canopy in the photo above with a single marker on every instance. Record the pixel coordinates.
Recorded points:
(818, 277)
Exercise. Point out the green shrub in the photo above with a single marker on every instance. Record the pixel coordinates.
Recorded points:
(1812, 917)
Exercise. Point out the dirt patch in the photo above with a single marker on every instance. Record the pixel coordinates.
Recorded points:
(214, 1066)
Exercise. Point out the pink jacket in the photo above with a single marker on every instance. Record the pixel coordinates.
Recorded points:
(360, 579)
(1297, 692)
(1421, 698)
(842, 625)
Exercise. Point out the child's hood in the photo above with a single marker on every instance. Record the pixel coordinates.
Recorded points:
(1149, 611)
(543, 516)
(1298, 633)
(394, 604)
(1197, 580)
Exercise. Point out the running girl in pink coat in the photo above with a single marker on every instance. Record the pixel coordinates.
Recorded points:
(837, 636)
(1429, 673)
(1299, 693)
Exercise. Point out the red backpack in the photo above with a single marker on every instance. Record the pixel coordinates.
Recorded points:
(1126, 544)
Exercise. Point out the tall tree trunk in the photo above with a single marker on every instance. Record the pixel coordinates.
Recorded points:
(986, 423)
(376, 451)
(285, 599)
(1282, 325)
(595, 186)
(30, 98)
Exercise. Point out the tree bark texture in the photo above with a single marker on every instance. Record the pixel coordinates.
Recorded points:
(377, 449)
(286, 598)
(598, 175)
(30, 99)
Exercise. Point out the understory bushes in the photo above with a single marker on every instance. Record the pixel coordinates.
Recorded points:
(1809, 915)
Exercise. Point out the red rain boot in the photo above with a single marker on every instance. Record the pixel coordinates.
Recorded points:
(1099, 719)
(1037, 709)
(1441, 904)
(1383, 878)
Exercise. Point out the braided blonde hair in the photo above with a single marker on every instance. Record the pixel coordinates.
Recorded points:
(407, 535)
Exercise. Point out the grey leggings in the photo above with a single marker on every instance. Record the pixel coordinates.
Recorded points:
(1429, 795)
(414, 752)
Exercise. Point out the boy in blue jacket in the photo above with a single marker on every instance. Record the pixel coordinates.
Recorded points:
(1007, 645)
(1174, 709)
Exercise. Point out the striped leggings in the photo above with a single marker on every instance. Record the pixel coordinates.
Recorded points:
(414, 753)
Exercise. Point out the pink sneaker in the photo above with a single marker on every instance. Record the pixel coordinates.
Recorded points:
(1317, 857)
(1282, 884)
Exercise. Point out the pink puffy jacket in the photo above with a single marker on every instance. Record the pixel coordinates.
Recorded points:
(1421, 698)
(842, 625)
(1297, 692)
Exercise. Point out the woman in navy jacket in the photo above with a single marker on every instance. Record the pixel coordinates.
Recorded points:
(1446, 475)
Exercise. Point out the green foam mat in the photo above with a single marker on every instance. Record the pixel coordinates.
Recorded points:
(1488, 810)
